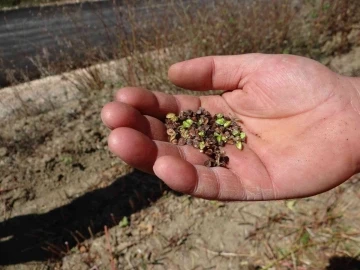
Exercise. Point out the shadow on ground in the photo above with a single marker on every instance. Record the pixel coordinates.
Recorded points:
(343, 263)
(31, 237)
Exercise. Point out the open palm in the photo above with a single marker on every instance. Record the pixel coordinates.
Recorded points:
(300, 119)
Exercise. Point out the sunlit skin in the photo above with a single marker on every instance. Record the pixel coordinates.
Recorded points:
(302, 123)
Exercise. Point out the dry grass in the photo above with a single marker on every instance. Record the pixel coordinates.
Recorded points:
(316, 29)
(225, 28)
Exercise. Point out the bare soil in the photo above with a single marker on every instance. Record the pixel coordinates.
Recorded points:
(67, 203)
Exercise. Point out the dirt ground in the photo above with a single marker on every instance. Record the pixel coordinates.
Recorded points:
(67, 203)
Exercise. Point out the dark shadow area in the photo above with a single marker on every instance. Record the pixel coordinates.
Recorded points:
(343, 263)
(42, 237)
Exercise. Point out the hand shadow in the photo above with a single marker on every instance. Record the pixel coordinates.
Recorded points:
(343, 263)
(39, 237)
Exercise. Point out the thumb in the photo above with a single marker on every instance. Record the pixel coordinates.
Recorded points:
(214, 72)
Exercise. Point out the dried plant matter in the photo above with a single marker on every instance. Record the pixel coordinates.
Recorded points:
(205, 132)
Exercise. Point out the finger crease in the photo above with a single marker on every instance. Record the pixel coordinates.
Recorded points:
(270, 179)
(242, 184)
(218, 185)
(181, 152)
(177, 104)
(194, 191)
(213, 65)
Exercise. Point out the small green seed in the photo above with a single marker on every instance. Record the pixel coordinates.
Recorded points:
(189, 121)
(216, 134)
(201, 145)
(242, 135)
(219, 115)
(220, 121)
(218, 138)
(202, 133)
(223, 138)
(227, 123)
(239, 145)
(235, 132)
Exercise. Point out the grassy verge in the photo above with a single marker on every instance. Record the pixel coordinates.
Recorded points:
(313, 29)
(316, 29)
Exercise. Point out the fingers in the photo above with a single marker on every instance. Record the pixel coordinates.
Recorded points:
(214, 72)
(156, 104)
(133, 147)
(116, 114)
(246, 177)
(200, 181)
(183, 177)
(181, 168)
(139, 151)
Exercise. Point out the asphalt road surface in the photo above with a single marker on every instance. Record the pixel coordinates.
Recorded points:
(56, 32)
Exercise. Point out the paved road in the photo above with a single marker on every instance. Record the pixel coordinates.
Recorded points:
(55, 32)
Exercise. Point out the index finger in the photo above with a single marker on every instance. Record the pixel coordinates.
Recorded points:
(156, 104)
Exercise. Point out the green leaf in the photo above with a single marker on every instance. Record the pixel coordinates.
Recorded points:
(124, 222)
(291, 204)
(305, 238)
(286, 51)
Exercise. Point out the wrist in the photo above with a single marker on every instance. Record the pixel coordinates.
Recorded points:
(354, 87)
(354, 94)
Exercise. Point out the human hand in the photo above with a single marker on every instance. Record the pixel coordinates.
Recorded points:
(301, 120)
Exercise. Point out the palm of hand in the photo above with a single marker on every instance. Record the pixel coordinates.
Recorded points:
(292, 110)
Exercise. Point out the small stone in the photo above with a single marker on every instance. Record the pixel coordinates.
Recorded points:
(82, 249)
(3, 151)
